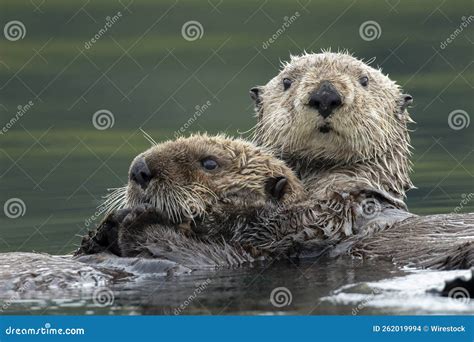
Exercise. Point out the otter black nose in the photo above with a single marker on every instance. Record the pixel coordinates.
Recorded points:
(325, 99)
(140, 173)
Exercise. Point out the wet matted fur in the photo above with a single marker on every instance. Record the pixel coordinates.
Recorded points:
(362, 144)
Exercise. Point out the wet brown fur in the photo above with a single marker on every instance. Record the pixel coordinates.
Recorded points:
(232, 230)
(368, 148)
(232, 211)
(367, 145)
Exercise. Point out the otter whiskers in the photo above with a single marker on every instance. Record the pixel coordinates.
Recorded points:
(148, 137)
(114, 200)
(183, 202)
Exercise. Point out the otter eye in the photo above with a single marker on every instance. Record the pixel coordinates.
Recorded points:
(286, 83)
(364, 81)
(209, 164)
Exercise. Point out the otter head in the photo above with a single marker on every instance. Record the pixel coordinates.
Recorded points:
(331, 107)
(189, 178)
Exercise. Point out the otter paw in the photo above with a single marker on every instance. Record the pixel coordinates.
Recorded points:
(119, 215)
(140, 217)
(105, 236)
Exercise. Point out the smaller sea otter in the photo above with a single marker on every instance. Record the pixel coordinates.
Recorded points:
(215, 200)
(205, 187)
(212, 201)
(184, 194)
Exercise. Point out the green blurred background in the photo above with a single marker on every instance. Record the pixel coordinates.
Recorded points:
(148, 75)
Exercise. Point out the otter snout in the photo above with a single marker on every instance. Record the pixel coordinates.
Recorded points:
(140, 173)
(325, 99)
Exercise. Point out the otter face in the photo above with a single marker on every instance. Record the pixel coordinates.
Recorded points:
(330, 106)
(189, 177)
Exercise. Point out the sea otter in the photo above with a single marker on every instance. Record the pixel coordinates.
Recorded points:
(213, 201)
(339, 123)
(322, 132)
(223, 198)
(342, 125)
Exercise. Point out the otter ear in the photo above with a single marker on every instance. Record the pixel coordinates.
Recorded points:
(407, 100)
(276, 187)
(255, 93)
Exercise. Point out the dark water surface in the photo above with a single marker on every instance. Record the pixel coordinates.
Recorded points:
(147, 75)
(343, 286)
(227, 291)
